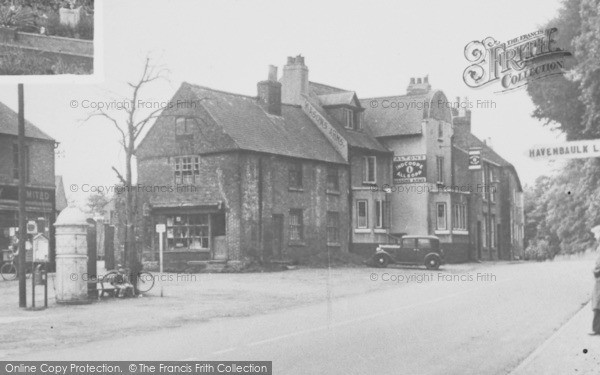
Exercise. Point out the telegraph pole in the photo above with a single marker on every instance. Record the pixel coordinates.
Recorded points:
(22, 177)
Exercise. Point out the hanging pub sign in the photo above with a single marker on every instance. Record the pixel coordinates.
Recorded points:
(475, 158)
(410, 169)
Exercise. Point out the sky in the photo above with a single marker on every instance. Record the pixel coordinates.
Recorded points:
(372, 48)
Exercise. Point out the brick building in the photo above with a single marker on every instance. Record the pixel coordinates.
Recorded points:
(433, 191)
(303, 168)
(273, 177)
(42, 204)
(496, 218)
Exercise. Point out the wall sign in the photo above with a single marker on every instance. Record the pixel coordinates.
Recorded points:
(37, 197)
(475, 158)
(410, 169)
(567, 150)
(334, 137)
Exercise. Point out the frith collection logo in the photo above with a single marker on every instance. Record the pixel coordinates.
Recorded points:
(516, 62)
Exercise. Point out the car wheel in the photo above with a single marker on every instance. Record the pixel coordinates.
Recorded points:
(432, 263)
(381, 261)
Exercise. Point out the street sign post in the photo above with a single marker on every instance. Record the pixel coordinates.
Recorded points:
(566, 150)
(160, 229)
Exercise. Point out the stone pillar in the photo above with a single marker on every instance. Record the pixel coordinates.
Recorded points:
(71, 257)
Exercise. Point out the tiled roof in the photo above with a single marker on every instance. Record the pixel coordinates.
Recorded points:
(340, 98)
(465, 140)
(396, 115)
(321, 89)
(360, 139)
(251, 128)
(9, 124)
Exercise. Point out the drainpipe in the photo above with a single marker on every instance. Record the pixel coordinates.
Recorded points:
(260, 207)
(350, 205)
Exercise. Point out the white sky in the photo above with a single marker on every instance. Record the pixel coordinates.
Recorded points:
(370, 47)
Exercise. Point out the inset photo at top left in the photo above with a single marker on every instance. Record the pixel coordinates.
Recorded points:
(47, 38)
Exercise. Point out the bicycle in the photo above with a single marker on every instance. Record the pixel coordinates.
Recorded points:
(9, 270)
(117, 281)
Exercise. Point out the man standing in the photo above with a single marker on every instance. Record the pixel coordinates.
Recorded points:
(596, 293)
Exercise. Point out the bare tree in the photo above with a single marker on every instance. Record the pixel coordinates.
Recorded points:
(130, 130)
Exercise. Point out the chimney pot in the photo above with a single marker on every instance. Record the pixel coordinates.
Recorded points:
(269, 93)
(419, 80)
(426, 79)
(412, 80)
(272, 73)
(290, 60)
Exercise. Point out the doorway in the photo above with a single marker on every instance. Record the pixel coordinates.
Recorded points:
(277, 236)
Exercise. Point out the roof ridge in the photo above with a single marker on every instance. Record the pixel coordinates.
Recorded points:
(219, 91)
(393, 96)
(328, 86)
(488, 148)
(29, 124)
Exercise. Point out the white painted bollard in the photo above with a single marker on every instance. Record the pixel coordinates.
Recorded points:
(71, 257)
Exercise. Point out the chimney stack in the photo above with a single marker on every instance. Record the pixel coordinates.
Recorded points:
(269, 93)
(421, 86)
(294, 81)
(461, 117)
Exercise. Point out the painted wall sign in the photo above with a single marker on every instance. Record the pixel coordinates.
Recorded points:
(410, 169)
(567, 150)
(475, 158)
(37, 197)
(334, 137)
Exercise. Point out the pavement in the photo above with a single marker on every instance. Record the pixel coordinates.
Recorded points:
(496, 319)
(570, 350)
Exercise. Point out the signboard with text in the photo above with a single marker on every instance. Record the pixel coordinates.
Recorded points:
(410, 169)
(567, 150)
(334, 137)
(34, 197)
(475, 158)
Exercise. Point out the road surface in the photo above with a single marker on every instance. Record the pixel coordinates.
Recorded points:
(483, 322)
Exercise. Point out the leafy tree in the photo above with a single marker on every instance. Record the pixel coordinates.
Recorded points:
(96, 203)
(561, 209)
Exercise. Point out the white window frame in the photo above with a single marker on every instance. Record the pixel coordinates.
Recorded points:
(439, 164)
(459, 216)
(367, 170)
(493, 242)
(437, 216)
(348, 118)
(366, 216)
(379, 214)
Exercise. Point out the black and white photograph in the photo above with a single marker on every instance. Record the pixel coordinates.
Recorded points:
(299, 187)
(46, 38)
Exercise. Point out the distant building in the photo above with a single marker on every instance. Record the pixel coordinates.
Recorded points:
(42, 201)
(496, 211)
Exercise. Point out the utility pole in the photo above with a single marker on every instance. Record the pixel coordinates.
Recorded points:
(22, 177)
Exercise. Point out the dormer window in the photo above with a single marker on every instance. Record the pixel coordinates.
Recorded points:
(352, 119)
(348, 118)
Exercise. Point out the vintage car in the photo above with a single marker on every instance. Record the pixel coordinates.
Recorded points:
(414, 250)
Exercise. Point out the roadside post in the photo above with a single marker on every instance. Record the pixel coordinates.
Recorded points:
(22, 229)
(160, 229)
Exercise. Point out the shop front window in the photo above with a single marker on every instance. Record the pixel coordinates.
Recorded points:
(188, 232)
